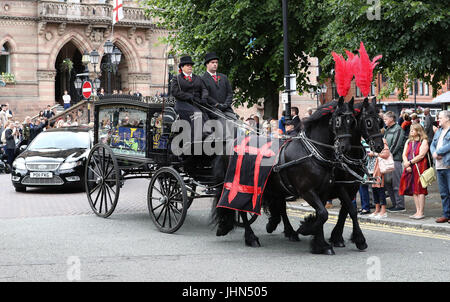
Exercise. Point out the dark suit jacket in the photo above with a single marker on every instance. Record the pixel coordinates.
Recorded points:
(220, 92)
(296, 121)
(186, 92)
(48, 114)
(10, 142)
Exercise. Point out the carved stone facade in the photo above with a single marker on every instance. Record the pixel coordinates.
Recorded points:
(36, 32)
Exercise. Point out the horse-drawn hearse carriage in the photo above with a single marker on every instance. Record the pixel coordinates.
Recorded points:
(132, 138)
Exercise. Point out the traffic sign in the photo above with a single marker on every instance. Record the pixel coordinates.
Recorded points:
(87, 89)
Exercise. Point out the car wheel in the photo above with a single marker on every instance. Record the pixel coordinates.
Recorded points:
(20, 188)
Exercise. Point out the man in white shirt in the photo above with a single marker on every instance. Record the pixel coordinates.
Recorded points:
(66, 99)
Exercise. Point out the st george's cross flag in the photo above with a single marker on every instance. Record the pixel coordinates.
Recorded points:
(117, 11)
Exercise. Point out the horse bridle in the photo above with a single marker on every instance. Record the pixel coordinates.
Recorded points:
(336, 123)
(368, 124)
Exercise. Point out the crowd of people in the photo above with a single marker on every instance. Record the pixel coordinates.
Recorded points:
(414, 144)
(273, 127)
(15, 133)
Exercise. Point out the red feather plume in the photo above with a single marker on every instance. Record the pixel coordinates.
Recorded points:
(343, 74)
(363, 70)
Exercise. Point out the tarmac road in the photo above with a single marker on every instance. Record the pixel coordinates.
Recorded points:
(64, 241)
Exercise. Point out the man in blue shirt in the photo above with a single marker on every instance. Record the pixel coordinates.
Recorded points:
(440, 149)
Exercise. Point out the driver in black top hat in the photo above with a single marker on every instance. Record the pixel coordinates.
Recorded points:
(189, 91)
(220, 94)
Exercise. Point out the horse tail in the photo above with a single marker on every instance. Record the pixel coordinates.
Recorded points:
(223, 218)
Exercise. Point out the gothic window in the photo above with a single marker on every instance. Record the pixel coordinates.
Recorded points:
(5, 58)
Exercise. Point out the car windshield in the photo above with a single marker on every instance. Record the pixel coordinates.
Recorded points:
(60, 140)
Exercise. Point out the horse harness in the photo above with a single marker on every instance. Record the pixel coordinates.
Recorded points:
(341, 161)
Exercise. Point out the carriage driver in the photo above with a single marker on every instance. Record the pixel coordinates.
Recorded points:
(189, 90)
(220, 94)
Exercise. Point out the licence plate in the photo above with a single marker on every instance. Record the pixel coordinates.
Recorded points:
(41, 174)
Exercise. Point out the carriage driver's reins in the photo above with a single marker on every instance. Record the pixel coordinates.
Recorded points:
(341, 160)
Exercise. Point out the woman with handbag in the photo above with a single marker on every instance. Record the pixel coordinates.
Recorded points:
(379, 197)
(415, 163)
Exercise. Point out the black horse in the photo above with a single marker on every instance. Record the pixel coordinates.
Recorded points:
(327, 133)
(369, 128)
(346, 181)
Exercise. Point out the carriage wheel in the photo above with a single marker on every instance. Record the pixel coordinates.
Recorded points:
(102, 180)
(251, 218)
(167, 200)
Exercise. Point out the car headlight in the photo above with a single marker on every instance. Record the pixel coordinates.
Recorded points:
(70, 165)
(19, 164)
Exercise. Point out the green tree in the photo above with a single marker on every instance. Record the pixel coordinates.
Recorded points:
(412, 36)
(247, 36)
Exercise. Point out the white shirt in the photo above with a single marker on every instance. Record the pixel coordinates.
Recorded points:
(66, 99)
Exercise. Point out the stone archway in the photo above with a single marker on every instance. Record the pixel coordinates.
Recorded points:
(65, 77)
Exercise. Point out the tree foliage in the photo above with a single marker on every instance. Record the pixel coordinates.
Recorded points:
(247, 35)
(248, 38)
(412, 36)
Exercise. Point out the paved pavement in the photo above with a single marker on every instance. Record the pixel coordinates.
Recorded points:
(433, 210)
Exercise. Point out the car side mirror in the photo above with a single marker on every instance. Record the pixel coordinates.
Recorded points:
(22, 148)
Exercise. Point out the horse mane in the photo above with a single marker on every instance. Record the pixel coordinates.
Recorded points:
(321, 112)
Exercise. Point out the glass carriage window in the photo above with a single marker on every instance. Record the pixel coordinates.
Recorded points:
(4, 58)
(123, 129)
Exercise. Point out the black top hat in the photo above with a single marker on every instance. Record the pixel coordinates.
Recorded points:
(210, 56)
(185, 60)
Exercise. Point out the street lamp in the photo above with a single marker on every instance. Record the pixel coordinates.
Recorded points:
(108, 46)
(170, 63)
(113, 57)
(95, 57)
(78, 82)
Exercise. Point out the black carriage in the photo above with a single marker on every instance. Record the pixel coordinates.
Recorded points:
(132, 137)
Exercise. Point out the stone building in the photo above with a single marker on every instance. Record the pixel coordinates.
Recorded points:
(36, 37)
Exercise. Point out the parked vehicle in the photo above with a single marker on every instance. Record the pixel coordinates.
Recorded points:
(56, 157)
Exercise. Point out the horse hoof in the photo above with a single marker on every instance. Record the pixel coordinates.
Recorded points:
(339, 244)
(253, 243)
(328, 251)
(223, 230)
(362, 246)
(270, 227)
(292, 236)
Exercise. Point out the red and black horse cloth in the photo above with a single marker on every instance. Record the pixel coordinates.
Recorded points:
(249, 168)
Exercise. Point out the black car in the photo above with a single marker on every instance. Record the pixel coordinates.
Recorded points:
(56, 157)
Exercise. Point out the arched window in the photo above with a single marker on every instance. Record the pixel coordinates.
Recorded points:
(5, 58)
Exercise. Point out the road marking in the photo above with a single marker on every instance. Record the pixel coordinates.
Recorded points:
(400, 230)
